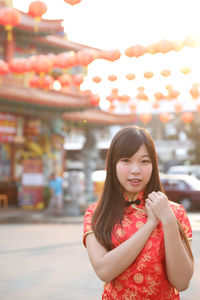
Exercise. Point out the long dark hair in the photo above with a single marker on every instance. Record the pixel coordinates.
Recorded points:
(110, 207)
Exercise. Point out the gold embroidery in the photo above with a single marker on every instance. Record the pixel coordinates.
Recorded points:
(138, 278)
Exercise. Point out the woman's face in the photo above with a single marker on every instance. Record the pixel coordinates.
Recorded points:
(134, 172)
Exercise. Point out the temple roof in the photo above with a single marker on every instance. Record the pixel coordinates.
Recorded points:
(11, 92)
(97, 116)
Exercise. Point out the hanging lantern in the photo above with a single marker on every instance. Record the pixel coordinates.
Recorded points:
(65, 80)
(151, 49)
(110, 98)
(4, 67)
(187, 117)
(165, 73)
(72, 2)
(43, 64)
(124, 98)
(156, 104)
(164, 118)
(164, 46)
(112, 77)
(159, 96)
(94, 100)
(177, 45)
(36, 10)
(85, 57)
(185, 70)
(133, 107)
(115, 91)
(110, 55)
(78, 79)
(194, 92)
(18, 65)
(34, 81)
(135, 51)
(65, 60)
(141, 95)
(145, 118)
(148, 75)
(96, 79)
(45, 82)
(178, 107)
(198, 107)
(130, 76)
(9, 17)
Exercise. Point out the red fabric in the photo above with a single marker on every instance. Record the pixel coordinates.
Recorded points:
(146, 277)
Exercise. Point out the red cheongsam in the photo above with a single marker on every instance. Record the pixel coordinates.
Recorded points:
(145, 278)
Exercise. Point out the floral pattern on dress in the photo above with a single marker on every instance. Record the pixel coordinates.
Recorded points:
(145, 278)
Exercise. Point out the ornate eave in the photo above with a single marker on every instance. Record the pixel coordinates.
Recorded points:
(12, 94)
(97, 116)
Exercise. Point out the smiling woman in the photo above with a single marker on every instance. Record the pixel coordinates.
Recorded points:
(132, 232)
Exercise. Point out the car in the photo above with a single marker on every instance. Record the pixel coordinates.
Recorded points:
(183, 189)
(185, 169)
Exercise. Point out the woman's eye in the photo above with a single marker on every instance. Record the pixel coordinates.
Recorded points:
(146, 161)
(126, 160)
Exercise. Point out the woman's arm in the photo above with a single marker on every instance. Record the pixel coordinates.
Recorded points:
(109, 264)
(179, 265)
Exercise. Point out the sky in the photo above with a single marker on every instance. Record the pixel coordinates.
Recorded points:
(118, 24)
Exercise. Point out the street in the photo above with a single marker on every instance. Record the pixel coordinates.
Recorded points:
(48, 262)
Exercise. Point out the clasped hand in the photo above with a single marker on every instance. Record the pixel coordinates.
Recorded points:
(157, 207)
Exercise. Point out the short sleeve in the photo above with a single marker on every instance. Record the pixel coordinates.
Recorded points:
(184, 220)
(87, 221)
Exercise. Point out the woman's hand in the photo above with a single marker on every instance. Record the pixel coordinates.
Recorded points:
(159, 203)
(151, 217)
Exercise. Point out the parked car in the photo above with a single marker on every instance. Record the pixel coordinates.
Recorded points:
(183, 189)
(188, 169)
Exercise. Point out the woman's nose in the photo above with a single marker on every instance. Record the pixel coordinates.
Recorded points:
(135, 168)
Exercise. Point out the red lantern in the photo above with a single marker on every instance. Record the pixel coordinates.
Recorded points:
(9, 17)
(65, 79)
(94, 100)
(124, 98)
(4, 67)
(178, 107)
(110, 55)
(141, 95)
(151, 49)
(185, 70)
(133, 107)
(110, 98)
(135, 51)
(164, 46)
(148, 75)
(130, 76)
(165, 73)
(43, 64)
(18, 65)
(78, 79)
(198, 107)
(85, 57)
(34, 81)
(36, 10)
(112, 77)
(187, 117)
(194, 92)
(115, 91)
(72, 2)
(145, 118)
(65, 60)
(159, 96)
(96, 79)
(46, 81)
(164, 118)
(156, 104)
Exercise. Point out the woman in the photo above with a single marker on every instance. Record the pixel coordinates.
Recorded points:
(137, 240)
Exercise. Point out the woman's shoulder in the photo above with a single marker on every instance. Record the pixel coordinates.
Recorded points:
(177, 208)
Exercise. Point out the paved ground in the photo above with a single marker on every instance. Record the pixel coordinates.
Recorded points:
(45, 260)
